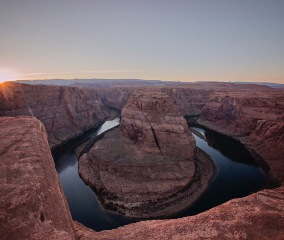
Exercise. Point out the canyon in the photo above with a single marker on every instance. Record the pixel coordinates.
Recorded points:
(252, 114)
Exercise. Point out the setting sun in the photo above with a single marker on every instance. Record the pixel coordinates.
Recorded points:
(7, 75)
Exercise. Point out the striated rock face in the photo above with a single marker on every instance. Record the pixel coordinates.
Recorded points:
(32, 203)
(65, 111)
(257, 120)
(189, 100)
(153, 122)
(258, 216)
(115, 97)
(144, 168)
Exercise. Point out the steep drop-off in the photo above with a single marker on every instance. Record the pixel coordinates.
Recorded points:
(65, 111)
(32, 203)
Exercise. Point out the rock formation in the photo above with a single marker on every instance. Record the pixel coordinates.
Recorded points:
(153, 121)
(65, 111)
(145, 168)
(32, 203)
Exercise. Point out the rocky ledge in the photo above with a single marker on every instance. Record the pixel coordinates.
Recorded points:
(258, 216)
(150, 166)
(32, 203)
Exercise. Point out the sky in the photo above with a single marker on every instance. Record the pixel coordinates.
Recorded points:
(177, 40)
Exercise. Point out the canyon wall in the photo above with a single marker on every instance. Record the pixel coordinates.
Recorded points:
(256, 118)
(253, 114)
(190, 99)
(65, 111)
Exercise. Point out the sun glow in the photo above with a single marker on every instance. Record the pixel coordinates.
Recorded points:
(7, 75)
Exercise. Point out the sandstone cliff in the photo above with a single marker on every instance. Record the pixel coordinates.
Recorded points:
(32, 203)
(255, 118)
(65, 111)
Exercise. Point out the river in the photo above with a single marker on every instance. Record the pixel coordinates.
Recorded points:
(237, 175)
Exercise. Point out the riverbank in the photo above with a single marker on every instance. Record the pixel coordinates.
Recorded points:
(272, 181)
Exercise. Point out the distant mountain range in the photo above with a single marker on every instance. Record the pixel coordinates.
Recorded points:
(129, 82)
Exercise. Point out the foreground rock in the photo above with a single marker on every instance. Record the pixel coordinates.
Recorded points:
(258, 216)
(32, 204)
(148, 167)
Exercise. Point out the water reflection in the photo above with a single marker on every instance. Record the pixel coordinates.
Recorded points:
(83, 202)
(236, 176)
(229, 147)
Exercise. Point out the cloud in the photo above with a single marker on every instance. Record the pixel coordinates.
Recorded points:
(40, 73)
(74, 73)
(110, 71)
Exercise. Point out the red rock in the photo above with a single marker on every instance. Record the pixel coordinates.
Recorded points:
(258, 216)
(153, 121)
(32, 203)
(147, 166)
(257, 120)
(65, 111)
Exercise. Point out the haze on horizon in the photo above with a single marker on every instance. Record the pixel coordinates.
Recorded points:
(200, 40)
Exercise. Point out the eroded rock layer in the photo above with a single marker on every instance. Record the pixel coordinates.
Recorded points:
(65, 111)
(144, 168)
(153, 121)
(256, 119)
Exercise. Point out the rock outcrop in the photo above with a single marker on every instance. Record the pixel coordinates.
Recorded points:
(65, 111)
(32, 203)
(148, 167)
(153, 121)
(256, 119)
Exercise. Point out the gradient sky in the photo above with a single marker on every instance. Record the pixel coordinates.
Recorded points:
(208, 40)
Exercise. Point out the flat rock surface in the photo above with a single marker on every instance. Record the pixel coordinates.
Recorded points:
(32, 203)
